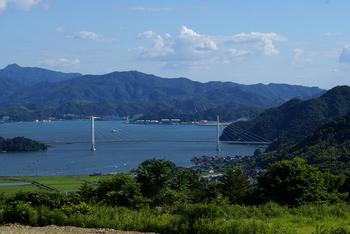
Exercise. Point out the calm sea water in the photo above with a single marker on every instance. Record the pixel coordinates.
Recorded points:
(121, 150)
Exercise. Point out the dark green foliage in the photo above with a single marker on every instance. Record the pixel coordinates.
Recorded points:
(294, 182)
(327, 148)
(182, 201)
(21, 144)
(296, 119)
(235, 185)
(154, 176)
(206, 191)
(51, 200)
(20, 212)
(121, 190)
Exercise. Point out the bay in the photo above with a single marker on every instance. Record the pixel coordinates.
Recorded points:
(120, 147)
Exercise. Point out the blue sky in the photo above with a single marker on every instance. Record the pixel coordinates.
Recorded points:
(245, 41)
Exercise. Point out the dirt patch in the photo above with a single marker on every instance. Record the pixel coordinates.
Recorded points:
(20, 229)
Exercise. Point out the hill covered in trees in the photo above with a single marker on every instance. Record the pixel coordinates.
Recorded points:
(296, 119)
(21, 144)
(328, 148)
(47, 93)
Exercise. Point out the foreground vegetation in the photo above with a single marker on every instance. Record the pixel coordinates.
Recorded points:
(290, 197)
(194, 218)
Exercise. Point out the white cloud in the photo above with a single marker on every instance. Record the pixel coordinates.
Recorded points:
(332, 34)
(263, 41)
(187, 45)
(59, 29)
(300, 58)
(92, 36)
(297, 55)
(191, 46)
(154, 9)
(345, 54)
(3, 4)
(22, 4)
(26, 4)
(61, 62)
(236, 53)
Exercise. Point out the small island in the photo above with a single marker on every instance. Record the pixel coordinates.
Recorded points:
(21, 144)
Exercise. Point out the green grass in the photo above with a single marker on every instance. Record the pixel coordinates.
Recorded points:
(59, 183)
(10, 190)
(200, 219)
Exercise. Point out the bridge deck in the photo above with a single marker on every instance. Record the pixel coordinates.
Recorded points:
(159, 140)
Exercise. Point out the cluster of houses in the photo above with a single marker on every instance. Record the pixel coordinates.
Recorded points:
(217, 162)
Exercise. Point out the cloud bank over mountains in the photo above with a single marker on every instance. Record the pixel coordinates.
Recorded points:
(190, 46)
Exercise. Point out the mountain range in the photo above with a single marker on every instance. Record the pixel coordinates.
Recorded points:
(29, 92)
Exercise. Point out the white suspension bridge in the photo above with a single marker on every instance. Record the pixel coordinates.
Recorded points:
(103, 134)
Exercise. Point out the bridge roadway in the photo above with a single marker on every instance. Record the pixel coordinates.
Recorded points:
(160, 140)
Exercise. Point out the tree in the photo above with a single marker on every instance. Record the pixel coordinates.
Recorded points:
(235, 185)
(154, 175)
(294, 182)
(121, 190)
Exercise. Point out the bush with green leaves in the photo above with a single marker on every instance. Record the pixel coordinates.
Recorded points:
(120, 190)
(154, 176)
(52, 200)
(294, 182)
(235, 185)
(20, 212)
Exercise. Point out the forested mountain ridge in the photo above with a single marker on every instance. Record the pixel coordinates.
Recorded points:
(136, 93)
(34, 75)
(328, 148)
(296, 119)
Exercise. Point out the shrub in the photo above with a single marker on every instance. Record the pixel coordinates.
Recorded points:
(294, 182)
(121, 190)
(154, 175)
(51, 200)
(235, 185)
(47, 216)
(20, 212)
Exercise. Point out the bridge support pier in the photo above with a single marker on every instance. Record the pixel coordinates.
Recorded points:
(217, 133)
(93, 145)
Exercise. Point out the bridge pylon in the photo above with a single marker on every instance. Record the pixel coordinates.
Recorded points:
(93, 143)
(217, 133)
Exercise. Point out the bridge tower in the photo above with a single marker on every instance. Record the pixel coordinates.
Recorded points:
(93, 145)
(217, 133)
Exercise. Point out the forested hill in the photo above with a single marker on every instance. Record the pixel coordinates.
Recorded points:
(296, 119)
(21, 144)
(135, 93)
(328, 148)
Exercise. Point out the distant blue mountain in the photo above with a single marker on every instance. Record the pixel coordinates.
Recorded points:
(44, 92)
(34, 75)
